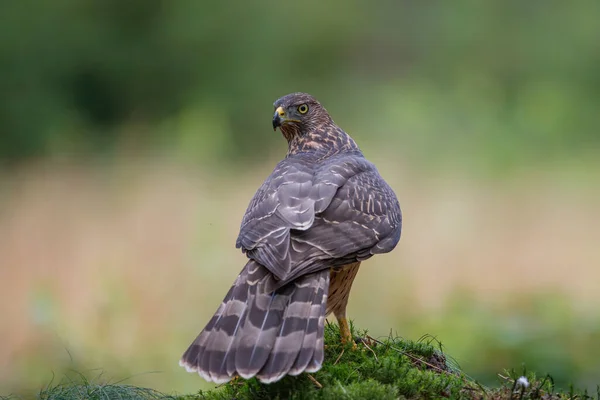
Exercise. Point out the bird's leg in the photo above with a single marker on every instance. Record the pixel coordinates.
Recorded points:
(340, 284)
(345, 330)
(345, 333)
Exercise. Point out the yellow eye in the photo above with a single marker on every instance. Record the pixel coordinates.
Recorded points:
(303, 109)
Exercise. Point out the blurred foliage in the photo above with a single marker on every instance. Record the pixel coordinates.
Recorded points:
(506, 79)
(541, 333)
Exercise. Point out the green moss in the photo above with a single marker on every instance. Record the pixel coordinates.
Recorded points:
(392, 368)
(378, 369)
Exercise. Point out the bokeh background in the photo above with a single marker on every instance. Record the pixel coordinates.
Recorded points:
(133, 134)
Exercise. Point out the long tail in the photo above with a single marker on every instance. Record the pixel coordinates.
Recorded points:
(262, 332)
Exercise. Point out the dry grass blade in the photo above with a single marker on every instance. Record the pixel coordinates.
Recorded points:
(370, 349)
(339, 357)
(412, 357)
(314, 381)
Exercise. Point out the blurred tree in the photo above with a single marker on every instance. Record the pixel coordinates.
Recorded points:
(73, 72)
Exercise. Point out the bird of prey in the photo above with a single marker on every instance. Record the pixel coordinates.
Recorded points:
(323, 210)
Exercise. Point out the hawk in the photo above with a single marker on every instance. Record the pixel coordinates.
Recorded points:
(323, 210)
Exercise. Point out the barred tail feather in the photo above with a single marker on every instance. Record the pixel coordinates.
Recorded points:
(305, 296)
(258, 331)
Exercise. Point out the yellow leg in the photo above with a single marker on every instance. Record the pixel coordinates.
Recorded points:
(339, 290)
(345, 332)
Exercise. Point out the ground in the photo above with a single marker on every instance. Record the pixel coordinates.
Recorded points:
(384, 368)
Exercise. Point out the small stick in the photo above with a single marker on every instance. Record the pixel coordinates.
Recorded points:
(340, 356)
(411, 356)
(367, 346)
(316, 382)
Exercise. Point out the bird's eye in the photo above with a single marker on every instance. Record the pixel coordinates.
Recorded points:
(303, 109)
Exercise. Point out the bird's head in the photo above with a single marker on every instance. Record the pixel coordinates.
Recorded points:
(298, 113)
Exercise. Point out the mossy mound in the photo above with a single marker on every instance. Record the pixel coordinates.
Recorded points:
(390, 368)
(374, 369)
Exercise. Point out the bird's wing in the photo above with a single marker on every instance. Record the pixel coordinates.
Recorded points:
(304, 219)
(362, 219)
(287, 201)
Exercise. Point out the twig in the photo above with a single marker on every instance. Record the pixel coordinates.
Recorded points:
(338, 358)
(411, 356)
(316, 382)
(367, 346)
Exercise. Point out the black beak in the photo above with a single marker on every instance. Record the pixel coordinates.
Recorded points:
(276, 121)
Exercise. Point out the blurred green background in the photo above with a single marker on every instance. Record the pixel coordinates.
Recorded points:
(133, 134)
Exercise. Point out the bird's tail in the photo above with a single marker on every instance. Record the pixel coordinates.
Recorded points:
(258, 331)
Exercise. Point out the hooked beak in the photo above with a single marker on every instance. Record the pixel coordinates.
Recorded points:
(278, 117)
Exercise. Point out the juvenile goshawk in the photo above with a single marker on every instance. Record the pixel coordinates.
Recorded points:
(323, 210)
